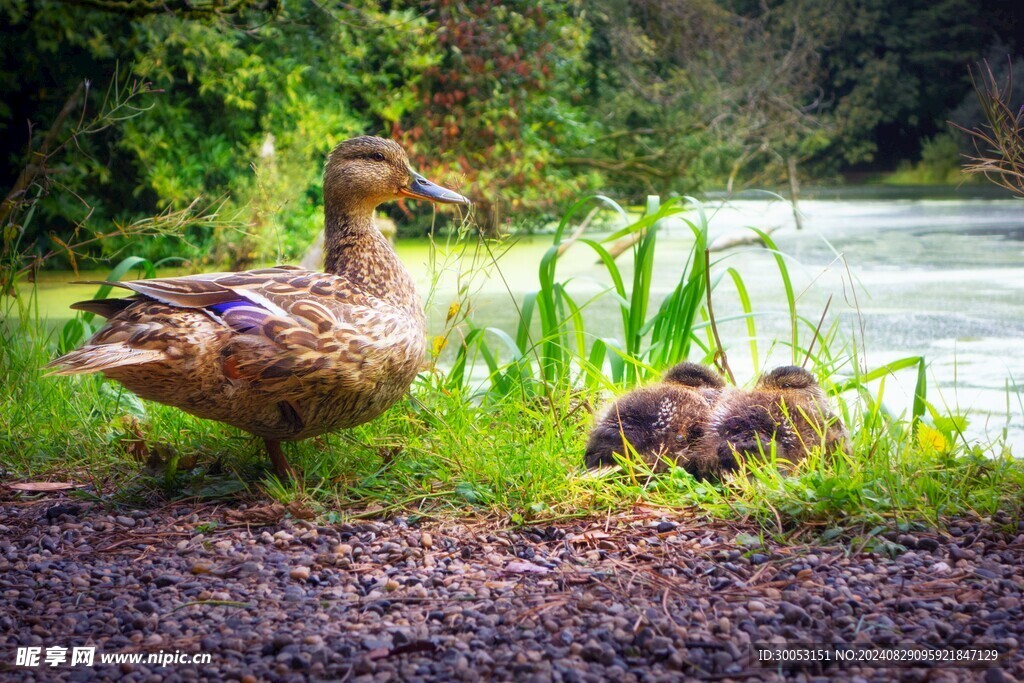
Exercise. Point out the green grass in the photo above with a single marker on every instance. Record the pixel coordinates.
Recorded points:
(507, 442)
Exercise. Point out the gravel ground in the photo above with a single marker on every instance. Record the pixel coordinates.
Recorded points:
(635, 597)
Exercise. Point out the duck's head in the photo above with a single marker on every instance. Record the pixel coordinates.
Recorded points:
(663, 422)
(746, 429)
(366, 171)
(695, 376)
(795, 387)
(788, 378)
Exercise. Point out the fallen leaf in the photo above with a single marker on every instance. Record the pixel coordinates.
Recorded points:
(749, 540)
(300, 511)
(36, 486)
(588, 537)
(259, 515)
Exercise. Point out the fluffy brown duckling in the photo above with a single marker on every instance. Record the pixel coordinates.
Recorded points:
(786, 406)
(663, 422)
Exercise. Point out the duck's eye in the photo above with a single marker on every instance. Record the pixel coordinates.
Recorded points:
(377, 156)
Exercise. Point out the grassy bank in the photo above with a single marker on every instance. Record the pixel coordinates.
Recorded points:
(497, 426)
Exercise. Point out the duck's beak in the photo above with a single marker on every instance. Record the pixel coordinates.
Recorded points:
(421, 188)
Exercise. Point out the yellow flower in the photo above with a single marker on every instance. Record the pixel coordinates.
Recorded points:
(453, 311)
(930, 438)
(437, 345)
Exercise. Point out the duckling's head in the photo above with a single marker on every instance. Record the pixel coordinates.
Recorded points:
(746, 427)
(366, 171)
(788, 377)
(662, 422)
(795, 387)
(695, 376)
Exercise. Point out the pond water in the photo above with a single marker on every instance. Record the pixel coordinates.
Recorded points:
(939, 278)
(943, 279)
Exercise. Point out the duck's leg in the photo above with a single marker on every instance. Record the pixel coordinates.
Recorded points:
(281, 467)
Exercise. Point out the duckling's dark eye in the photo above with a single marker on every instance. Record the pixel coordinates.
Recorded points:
(377, 156)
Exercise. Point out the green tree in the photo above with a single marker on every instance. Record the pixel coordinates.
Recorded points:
(245, 97)
(692, 93)
(502, 105)
(893, 70)
(275, 97)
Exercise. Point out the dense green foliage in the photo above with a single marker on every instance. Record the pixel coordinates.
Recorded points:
(898, 68)
(691, 93)
(499, 108)
(244, 109)
(522, 104)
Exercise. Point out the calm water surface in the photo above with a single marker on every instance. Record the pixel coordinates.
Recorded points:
(938, 278)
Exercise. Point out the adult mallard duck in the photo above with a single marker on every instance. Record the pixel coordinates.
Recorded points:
(284, 353)
(664, 422)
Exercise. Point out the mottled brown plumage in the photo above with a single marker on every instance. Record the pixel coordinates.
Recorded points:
(284, 353)
(786, 406)
(662, 422)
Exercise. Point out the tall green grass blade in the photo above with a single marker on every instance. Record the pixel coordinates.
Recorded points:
(787, 283)
(920, 389)
(748, 309)
(525, 319)
(881, 372)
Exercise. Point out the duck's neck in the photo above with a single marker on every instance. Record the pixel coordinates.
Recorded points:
(357, 251)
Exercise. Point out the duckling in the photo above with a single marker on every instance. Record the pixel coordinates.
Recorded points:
(284, 353)
(786, 406)
(662, 422)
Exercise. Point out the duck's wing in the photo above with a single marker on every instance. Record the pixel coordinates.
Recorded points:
(290, 328)
(209, 289)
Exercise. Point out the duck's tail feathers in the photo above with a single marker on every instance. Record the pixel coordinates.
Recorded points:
(102, 357)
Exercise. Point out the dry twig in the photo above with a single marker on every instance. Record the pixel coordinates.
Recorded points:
(999, 143)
